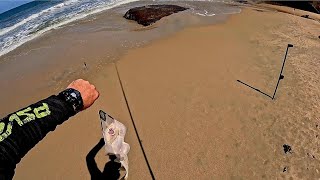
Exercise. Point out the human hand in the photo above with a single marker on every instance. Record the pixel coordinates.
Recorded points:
(88, 92)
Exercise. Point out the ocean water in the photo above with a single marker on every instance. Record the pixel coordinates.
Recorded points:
(33, 19)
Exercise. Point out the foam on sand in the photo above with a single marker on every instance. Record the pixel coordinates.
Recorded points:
(32, 31)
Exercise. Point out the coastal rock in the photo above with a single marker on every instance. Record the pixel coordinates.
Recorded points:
(305, 16)
(285, 169)
(287, 148)
(147, 15)
(311, 6)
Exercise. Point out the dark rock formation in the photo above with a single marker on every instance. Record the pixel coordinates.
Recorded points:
(147, 15)
(316, 5)
(287, 148)
(311, 6)
(285, 169)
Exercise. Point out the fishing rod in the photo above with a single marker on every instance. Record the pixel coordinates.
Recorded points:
(134, 125)
(281, 76)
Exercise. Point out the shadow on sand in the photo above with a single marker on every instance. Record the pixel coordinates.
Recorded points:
(111, 170)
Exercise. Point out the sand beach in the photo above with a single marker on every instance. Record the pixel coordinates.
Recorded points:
(180, 79)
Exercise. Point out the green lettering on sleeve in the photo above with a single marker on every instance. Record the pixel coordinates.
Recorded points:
(44, 108)
(14, 117)
(29, 116)
(39, 112)
(2, 125)
(4, 135)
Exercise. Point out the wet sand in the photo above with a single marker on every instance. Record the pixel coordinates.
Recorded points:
(54, 59)
(194, 119)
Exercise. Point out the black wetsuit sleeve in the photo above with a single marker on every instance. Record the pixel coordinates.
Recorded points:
(22, 130)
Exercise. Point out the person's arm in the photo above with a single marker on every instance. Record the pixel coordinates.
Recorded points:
(22, 130)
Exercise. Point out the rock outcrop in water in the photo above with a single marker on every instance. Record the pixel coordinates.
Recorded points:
(147, 15)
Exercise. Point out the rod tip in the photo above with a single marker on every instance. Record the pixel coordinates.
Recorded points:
(290, 45)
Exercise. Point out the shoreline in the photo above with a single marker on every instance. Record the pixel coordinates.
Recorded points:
(106, 10)
(60, 55)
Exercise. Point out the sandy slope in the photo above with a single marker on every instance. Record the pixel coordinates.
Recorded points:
(195, 120)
